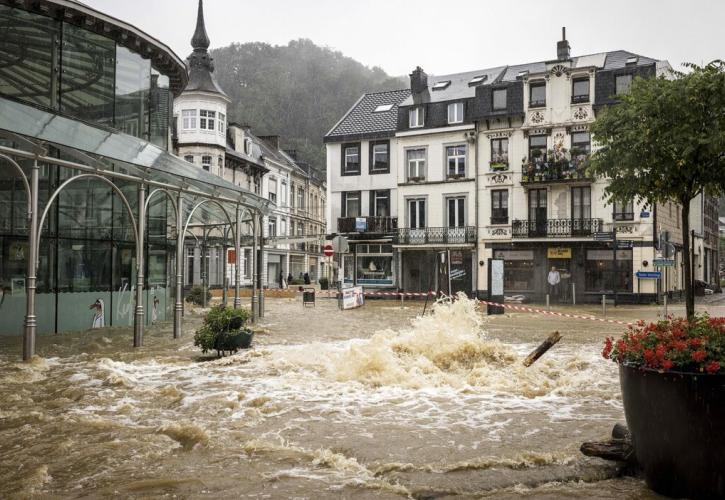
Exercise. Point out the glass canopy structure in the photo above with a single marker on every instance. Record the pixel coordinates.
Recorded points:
(93, 209)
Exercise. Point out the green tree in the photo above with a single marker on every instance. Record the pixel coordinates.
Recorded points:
(665, 141)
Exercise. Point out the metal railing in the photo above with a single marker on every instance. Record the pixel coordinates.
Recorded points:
(436, 235)
(555, 228)
(372, 224)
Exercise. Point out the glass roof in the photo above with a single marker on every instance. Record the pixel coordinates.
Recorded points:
(139, 157)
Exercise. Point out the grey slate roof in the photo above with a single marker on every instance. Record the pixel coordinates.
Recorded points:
(360, 120)
(459, 87)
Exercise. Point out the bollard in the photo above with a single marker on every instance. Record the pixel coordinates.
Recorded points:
(604, 305)
(548, 304)
(573, 294)
(402, 300)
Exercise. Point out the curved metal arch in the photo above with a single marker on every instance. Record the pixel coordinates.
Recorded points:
(202, 202)
(28, 192)
(57, 192)
(168, 195)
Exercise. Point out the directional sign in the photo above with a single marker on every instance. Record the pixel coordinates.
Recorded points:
(649, 275)
(663, 262)
(604, 236)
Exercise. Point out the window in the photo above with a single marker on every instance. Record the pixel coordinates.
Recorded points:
(188, 117)
(580, 90)
(622, 83)
(537, 148)
(499, 99)
(624, 211)
(222, 123)
(455, 112)
(456, 161)
(476, 80)
(220, 163)
(456, 211)
(580, 143)
(351, 204)
(383, 108)
(380, 201)
(581, 208)
(415, 159)
(441, 85)
(206, 119)
(374, 265)
(300, 198)
(379, 157)
(283, 227)
(499, 206)
(283, 194)
(499, 153)
(416, 213)
(189, 158)
(206, 162)
(272, 227)
(602, 274)
(351, 159)
(537, 212)
(415, 117)
(537, 95)
(272, 195)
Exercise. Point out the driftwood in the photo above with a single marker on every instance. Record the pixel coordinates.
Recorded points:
(618, 449)
(541, 350)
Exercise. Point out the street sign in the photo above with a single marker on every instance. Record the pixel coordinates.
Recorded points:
(339, 244)
(649, 275)
(328, 250)
(625, 244)
(663, 262)
(604, 236)
(644, 214)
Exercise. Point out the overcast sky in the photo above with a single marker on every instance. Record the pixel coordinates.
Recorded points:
(443, 36)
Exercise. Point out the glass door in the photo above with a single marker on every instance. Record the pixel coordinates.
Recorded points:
(537, 212)
(416, 220)
(581, 210)
(456, 208)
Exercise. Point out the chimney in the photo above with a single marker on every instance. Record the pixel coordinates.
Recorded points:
(418, 81)
(271, 140)
(563, 49)
(237, 133)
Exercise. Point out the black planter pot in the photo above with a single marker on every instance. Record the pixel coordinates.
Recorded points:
(677, 423)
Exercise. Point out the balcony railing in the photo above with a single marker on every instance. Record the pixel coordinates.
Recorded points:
(372, 225)
(436, 235)
(543, 171)
(555, 228)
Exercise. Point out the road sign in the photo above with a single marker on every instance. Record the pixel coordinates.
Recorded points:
(625, 244)
(328, 250)
(644, 214)
(606, 236)
(663, 262)
(649, 275)
(339, 244)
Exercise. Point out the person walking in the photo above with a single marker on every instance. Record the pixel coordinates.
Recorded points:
(307, 278)
(554, 279)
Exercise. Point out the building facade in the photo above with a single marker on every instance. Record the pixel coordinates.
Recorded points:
(491, 164)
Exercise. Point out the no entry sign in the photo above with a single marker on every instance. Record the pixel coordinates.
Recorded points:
(328, 250)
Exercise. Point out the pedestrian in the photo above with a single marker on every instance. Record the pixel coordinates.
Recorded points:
(290, 278)
(281, 280)
(554, 279)
(307, 278)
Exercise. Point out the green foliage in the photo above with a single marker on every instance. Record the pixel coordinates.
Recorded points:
(196, 296)
(298, 91)
(216, 323)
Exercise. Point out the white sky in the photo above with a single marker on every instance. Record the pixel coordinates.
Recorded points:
(443, 36)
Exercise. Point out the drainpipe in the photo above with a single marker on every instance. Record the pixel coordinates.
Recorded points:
(475, 198)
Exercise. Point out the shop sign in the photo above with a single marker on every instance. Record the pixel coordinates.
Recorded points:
(456, 258)
(559, 253)
(608, 255)
(231, 256)
(352, 297)
(649, 275)
(514, 254)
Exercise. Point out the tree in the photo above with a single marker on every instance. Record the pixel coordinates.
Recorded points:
(665, 141)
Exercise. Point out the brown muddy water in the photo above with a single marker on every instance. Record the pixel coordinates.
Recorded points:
(370, 403)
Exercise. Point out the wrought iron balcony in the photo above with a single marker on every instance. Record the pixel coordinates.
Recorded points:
(436, 235)
(380, 225)
(555, 228)
(543, 171)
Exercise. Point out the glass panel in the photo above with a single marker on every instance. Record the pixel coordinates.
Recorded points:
(27, 55)
(161, 103)
(84, 266)
(133, 79)
(87, 86)
(374, 270)
(84, 210)
(581, 88)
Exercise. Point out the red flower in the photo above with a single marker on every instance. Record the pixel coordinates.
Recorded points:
(679, 345)
(695, 342)
(667, 364)
(712, 367)
(699, 356)
(607, 348)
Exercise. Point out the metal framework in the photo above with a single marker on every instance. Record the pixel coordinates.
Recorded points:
(176, 194)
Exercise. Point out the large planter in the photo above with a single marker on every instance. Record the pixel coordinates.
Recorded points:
(677, 423)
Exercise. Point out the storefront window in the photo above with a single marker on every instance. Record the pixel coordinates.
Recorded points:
(602, 275)
(374, 265)
(519, 270)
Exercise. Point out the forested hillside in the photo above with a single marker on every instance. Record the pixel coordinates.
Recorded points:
(297, 91)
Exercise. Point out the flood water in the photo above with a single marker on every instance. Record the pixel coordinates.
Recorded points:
(370, 403)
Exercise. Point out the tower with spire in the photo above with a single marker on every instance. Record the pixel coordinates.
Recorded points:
(201, 109)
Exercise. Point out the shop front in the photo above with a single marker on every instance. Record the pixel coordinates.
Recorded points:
(371, 265)
(444, 270)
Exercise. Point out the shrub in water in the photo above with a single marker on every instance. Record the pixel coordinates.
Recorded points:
(219, 322)
(196, 296)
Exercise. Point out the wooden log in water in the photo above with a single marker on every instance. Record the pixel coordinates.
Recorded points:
(618, 449)
(541, 350)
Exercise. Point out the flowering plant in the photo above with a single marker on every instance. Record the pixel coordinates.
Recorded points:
(697, 345)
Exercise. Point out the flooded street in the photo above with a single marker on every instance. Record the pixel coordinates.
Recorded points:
(369, 403)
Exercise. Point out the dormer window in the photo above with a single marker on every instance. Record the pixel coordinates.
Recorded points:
(455, 112)
(441, 85)
(416, 117)
(537, 95)
(477, 80)
(622, 83)
(632, 60)
(383, 108)
(499, 100)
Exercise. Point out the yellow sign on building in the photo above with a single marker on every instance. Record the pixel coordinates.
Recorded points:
(559, 253)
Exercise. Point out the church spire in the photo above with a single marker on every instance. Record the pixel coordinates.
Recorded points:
(200, 40)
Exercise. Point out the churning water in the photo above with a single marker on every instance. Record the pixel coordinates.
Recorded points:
(372, 403)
